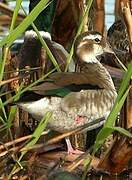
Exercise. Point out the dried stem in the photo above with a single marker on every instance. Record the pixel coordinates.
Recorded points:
(128, 21)
(16, 141)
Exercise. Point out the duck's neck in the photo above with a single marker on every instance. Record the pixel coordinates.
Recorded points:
(98, 72)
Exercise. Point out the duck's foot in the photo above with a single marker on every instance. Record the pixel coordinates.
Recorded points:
(70, 148)
(75, 151)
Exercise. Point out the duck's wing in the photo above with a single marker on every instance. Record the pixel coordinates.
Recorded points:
(61, 84)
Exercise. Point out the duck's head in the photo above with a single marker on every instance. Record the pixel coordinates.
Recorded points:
(89, 45)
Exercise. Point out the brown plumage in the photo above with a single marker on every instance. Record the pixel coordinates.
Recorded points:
(75, 98)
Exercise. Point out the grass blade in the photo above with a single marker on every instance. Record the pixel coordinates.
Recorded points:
(17, 8)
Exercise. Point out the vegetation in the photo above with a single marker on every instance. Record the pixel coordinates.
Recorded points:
(7, 117)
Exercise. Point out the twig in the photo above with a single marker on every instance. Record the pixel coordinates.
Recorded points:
(56, 139)
(18, 77)
(20, 140)
(99, 16)
(128, 21)
(36, 146)
(78, 161)
(9, 81)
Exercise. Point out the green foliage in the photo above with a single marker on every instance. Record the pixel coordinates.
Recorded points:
(109, 126)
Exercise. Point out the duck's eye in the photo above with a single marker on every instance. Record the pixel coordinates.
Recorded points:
(97, 40)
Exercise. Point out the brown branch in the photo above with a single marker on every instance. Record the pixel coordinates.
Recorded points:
(34, 147)
(56, 139)
(128, 21)
(5, 20)
(117, 9)
(99, 16)
(8, 81)
(16, 141)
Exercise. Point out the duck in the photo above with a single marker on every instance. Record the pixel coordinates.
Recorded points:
(117, 35)
(118, 39)
(31, 52)
(74, 98)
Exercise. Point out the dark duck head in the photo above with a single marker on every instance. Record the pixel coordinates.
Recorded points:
(75, 98)
(31, 49)
(31, 53)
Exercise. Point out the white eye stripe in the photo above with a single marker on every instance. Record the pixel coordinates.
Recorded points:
(91, 36)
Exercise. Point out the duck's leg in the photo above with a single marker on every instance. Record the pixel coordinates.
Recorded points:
(70, 148)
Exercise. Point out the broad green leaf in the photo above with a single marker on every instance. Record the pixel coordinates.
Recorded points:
(106, 132)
